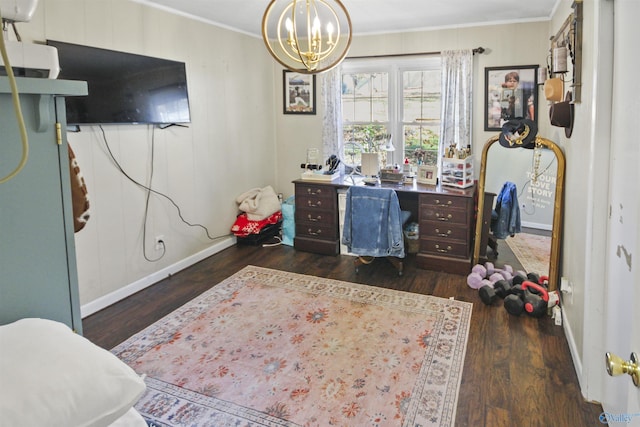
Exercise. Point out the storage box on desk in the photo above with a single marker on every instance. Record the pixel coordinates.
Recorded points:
(457, 172)
(391, 175)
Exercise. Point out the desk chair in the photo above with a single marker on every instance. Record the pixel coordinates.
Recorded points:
(373, 225)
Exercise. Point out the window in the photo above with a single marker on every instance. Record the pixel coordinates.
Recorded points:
(391, 101)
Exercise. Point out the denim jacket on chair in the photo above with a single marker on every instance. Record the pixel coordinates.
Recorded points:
(373, 222)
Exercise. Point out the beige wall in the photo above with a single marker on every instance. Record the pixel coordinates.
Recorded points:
(521, 44)
(228, 148)
(575, 224)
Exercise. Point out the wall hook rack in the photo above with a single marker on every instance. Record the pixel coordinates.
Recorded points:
(568, 42)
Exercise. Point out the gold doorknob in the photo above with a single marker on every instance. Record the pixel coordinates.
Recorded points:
(616, 365)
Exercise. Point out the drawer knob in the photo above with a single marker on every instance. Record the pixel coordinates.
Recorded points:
(443, 250)
(447, 204)
(314, 191)
(314, 218)
(443, 218)
(312, 205)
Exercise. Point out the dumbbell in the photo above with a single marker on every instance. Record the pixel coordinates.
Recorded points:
(514, 304)
(490, 294)
(533, 277)
(502, 288)
(517, 290)
(540, 280)
(518, 278)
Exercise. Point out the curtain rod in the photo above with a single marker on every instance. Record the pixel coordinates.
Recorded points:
(478, 50)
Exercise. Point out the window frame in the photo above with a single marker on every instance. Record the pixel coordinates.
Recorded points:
(394, 66)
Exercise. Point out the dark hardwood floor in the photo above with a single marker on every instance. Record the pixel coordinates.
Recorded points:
(517, 372)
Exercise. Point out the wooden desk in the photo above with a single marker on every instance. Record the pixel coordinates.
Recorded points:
(446, 218)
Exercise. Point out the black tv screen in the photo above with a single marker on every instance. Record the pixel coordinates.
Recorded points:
(123, 87)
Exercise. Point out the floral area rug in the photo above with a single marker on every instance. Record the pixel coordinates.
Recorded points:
(272, 348)
(533, 251)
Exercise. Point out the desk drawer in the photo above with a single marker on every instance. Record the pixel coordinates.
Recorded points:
(444, 231)
(321, 197)
(444, 201)
(315, 202)
(444, 247)
(320, 216)
(444, 215)
(317, 231)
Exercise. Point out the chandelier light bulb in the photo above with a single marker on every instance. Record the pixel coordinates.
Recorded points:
(330, 33)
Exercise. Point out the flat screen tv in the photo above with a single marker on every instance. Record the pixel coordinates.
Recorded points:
(123, 87)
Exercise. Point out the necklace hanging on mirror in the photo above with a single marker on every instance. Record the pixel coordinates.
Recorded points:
(537, 155)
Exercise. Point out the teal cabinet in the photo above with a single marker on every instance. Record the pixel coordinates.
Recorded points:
(38, 275)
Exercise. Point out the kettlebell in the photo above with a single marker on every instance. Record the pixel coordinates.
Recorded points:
(535, 305)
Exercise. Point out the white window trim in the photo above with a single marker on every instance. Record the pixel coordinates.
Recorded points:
(394, 66)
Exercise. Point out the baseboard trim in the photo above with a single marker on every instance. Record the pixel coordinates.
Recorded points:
(536, 225)
(128, 290)
(573, 349)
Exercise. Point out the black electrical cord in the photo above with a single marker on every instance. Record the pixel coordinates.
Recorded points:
(146, 203)
(149, 191)
(15, 31)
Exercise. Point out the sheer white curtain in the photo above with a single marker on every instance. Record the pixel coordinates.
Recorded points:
(457, 70)
(332, 120)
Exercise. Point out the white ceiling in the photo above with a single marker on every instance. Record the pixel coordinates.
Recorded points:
(373, 16)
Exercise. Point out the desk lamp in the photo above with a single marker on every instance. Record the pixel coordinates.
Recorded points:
(388, 148)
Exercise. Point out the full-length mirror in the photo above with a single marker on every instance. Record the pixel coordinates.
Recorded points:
(537, 178)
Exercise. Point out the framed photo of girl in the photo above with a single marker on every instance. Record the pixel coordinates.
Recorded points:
(510, 92)
(299, 94)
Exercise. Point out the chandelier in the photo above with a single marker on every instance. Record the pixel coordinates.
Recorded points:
(307, 36)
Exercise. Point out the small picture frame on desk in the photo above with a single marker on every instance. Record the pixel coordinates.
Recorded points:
(427, 174)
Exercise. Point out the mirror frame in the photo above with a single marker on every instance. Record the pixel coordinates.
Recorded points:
(556, 231)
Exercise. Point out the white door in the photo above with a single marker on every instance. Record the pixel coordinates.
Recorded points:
(621, 401)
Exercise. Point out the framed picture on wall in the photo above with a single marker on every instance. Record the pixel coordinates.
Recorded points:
(299, 92)
(427, 174)
(510, 92)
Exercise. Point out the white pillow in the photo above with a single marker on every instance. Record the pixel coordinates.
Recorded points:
(50, 376)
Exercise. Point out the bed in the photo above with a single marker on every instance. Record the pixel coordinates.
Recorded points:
(51, 376)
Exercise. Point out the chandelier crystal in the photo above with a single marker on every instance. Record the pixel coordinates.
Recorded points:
(307, 36)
